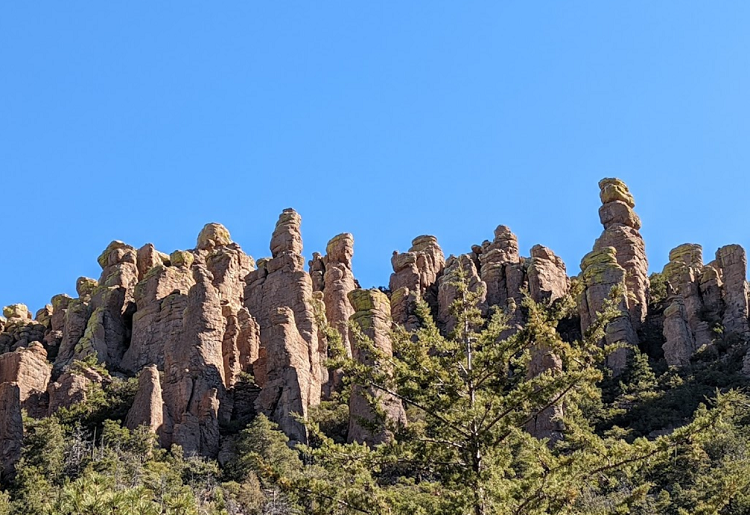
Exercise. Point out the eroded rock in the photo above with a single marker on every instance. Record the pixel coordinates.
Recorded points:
(372, 318)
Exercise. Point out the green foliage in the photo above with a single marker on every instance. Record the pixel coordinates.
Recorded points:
(658, 288)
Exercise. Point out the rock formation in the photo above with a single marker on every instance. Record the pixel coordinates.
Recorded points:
(732, 262)
(28, 368)
(279, 296)
(600, 273)
(621, 226)
(458, 269)
(685, 330)
(548, 279)
(372, 317)
(148, 407)
(212, 339)
(415, 275)
(338, 281)
(548, 282)
(11, 429)
(193, 387)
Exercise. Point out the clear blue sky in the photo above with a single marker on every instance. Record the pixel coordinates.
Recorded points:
(141, 121)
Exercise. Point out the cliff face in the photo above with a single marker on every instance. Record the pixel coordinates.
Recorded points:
(214, 339)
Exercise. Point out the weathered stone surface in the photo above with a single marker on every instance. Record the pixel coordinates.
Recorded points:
(338, 283)
(103, 310)
(77, 315)
(317, 271)
(505, 274)
(28, 368)
(72, 387)
(213, 235)
(19, 330)
(193, 387)
(241, 344)
(11, 429)
(85, 287)
(281, 282)
(710, 288)
(161, 299)
(418, 271)
(680, 344)
(119, 265)
(289, 387)
(732, 262)
(448, 291)
(287, 237)
(548, 279)
(372, 317)
(685, 329)
(17, 311)
(600, 272)
(621, 227)
(182, 258)
(148, 257)
(148, 405)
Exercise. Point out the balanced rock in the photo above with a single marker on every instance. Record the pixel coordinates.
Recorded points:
(282, 282)
(621, 226)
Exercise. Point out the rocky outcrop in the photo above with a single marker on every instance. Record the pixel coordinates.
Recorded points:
(548, 282)
(458, 269)
(621, 226)
(147, 258)
(414, 277)
(548, 279)
(148, 405)
(73, 386)
(372, 318)
(11, 430)
(680, 343)
(160, 298)
(193, 387)
(732, 262)
(317, 270)
(289, 386)
(338, 281)
(19, 328)
(685, 329)
(28, 368)
(600, 273)
(504, 272)
(241, 344)
(278, 283)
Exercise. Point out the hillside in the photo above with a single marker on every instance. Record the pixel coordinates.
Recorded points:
(205, 381)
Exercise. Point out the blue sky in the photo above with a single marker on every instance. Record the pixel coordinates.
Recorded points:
(142, 121)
